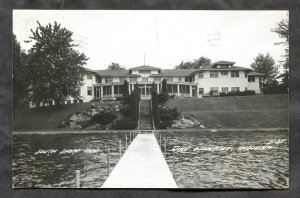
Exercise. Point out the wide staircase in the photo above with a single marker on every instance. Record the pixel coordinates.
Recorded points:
(145, 122)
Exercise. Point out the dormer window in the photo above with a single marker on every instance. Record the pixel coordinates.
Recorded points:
(89, 76)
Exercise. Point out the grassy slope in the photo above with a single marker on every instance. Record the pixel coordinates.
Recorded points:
(269, 111)
(47, 118)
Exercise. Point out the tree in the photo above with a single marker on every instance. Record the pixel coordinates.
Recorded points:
(195, 64)
(163, 96)
(56, 67)
(265, 64)
(155, 109)
(282, 29)
(20, 82)
(115, 66)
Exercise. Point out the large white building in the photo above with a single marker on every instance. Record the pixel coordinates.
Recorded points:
(218, 77)
(221, 76)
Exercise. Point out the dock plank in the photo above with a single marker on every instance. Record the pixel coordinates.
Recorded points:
(142, 166)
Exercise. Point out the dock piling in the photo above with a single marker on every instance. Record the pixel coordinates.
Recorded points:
(173, 163)
(120, 148)
(108, 161)
(165, 148)
(77, 180)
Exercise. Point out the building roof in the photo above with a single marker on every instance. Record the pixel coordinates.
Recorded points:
(253, 73)
(211, 68)
(144, 67)
(174, 72)
(224, 63)
(115, 73)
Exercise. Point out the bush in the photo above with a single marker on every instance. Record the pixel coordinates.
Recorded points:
(103, 118)
(238, 93)
(126, 124)
(163, 97)
(167, 116)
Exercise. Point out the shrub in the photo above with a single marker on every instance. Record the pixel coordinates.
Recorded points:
(239, 93)
(125, 124)
(167, 116)
(163, 97)
(103, 118)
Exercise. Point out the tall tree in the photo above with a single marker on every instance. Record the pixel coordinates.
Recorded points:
(115, 66)
(56, 66)
(265, 64)
(282, 29)
(163, 96)
(20, 81)
(195, 64)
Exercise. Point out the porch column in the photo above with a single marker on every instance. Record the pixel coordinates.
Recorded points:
(197, 91)
(191, 90)
(157, 87)
(129, 87)
(112, 91)
(101, 91)
(178, 90)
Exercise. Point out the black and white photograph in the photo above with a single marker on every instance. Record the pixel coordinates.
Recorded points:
(190, 99)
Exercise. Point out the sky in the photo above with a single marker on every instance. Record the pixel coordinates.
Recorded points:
(161, 38)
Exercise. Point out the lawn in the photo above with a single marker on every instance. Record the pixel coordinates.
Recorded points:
(268, 111)
(46, 118)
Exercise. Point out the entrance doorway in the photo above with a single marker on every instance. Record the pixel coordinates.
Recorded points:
(145, 90)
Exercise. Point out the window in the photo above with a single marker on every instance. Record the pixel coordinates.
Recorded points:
(200, 75)
(122, 79)
(145, 72)
(145, 79)
(133, 79)
(172, 88)
(68, 101)
(78, 92)
(74, 101)
(185, 89)
(157, 79)
(169, 78)
(225, 89)
(224, 73)
(118, 89)
(201, 91)
(235, 89)
(214, 89)
(89, 76)
(89, 91)
(235, 74)
(214, 74)
(108, 80)
(99, 80)
(189, 79)
(97, 92)
(251, 78)
(246, 75)
(179, 79)
(80, 101)
(106, 90)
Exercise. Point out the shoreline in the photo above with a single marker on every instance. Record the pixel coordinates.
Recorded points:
(191, 130)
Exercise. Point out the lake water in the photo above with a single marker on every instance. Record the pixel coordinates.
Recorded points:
(206, 160)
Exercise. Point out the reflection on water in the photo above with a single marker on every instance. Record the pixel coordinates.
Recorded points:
(201, 169)
(233, 168)
(58, 170)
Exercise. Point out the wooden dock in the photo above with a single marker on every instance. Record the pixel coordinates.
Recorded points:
(142, 166)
